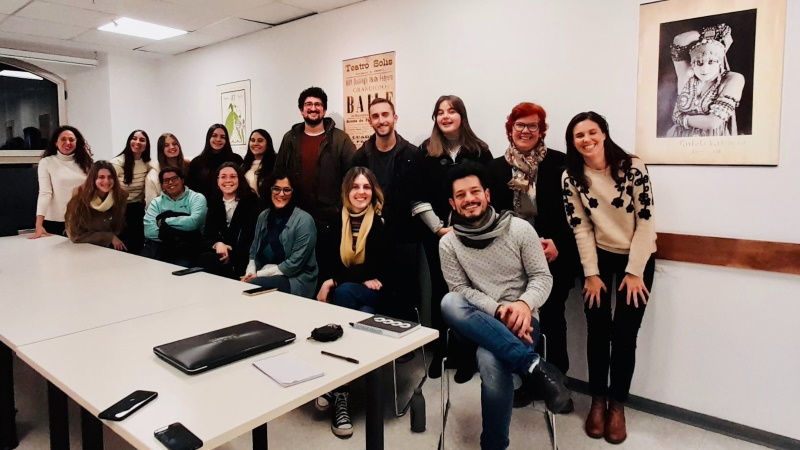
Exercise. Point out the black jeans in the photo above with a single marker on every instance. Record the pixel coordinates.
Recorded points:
(133, 233)
(611, 343)
(554, 324)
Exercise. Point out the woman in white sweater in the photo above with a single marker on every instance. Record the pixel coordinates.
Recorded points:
(132, 166)
(609, 204)
(63, 167)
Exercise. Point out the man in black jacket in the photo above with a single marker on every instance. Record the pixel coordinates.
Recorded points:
(318, 154)
(395, 163)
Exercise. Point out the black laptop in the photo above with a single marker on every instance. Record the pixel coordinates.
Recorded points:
(207, 351)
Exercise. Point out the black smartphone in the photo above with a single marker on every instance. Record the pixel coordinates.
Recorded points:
(187, 271)
(258, 290)
(128, 405)
(178, 437)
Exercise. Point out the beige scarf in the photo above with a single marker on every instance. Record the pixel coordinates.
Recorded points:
(349, 256)
(524, 172)
(101, 205)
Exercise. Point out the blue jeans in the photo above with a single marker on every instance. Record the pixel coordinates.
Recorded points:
(500, 355)
(356, 296)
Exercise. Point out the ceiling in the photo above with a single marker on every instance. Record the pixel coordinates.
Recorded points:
(72, 24)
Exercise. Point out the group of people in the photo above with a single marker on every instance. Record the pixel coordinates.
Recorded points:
(504, 237)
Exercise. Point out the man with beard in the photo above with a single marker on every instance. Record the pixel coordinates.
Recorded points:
(497, 274)
(318, 154)
(395, 164)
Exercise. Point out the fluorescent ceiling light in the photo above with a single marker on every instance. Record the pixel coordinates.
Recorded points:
(132, 27)
(19, 74)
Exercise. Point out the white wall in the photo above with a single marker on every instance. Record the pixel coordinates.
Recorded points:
(88, 106)
(717, 341)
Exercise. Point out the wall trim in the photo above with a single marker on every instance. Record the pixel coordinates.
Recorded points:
(706, 422)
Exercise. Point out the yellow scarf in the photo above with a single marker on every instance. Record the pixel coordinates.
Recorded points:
(349, 256)
(102, 205)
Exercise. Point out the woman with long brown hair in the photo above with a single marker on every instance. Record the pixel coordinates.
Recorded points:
(132, 166)
(96, 212)
(169, 153)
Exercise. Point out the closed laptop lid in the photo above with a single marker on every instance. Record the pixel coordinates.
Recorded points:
(213, 349)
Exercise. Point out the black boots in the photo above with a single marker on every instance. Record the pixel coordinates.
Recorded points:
(551, 383)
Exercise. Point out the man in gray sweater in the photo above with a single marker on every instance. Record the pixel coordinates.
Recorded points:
(497, 274)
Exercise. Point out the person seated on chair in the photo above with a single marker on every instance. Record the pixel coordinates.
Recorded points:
(96, 212)
(282, 255)
(356, 283)
(497, 274)
(233, 209)
(173, 223)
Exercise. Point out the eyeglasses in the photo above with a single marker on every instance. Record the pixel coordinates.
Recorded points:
(171, 180)
(533, 127)
(314, 104)
(277, 190)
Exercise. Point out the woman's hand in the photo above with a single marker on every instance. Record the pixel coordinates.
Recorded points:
(325, 290)
(40, 232)
(118, 245)
(375, 284)
(247, 277)
(636, 289)
(591, 290)
(444, 230)
(222, 250)
(550, 250)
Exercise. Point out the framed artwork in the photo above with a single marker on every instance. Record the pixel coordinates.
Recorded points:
(364, 79)
(235, 113)
(710, 81)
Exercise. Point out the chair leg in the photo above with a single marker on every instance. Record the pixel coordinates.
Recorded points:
(397, 410)
(445, 396)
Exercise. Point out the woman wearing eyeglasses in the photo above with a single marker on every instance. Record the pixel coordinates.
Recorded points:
(452, 142)
(231, 221)
(527, 180)
(282, 254)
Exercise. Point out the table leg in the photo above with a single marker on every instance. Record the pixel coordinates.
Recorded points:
(8, 424)
(260, 438)
(91, 431)
(375, 409)
(59, 421)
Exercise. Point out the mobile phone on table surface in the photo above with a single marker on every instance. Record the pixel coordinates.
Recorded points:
(258, 290)
(187, 271)
(177, 437)
(128, 405)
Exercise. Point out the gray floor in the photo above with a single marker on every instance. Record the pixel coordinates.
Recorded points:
(304, 429)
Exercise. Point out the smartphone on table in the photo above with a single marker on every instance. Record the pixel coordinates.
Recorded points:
(178, 437)
(128, 405)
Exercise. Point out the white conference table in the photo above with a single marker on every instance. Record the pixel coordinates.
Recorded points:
(100, 366)
(87, 319)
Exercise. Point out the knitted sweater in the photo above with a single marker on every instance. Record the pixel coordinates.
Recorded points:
(513, 267)
(618, 218)
(135, 190)
(59, 175)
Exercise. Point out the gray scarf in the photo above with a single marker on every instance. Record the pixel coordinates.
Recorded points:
(481, 233)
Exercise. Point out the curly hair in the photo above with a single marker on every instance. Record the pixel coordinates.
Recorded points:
(79, 209)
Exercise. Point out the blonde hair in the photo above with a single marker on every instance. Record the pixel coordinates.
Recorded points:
(347, 185)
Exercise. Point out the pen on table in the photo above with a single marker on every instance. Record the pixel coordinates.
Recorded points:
(346, 358)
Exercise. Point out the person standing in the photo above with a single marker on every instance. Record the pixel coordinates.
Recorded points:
(132, 166)
(63, 167)
(217, 150)
(168, 153)
(526, 179)
(608, 199)
(259, 162)
(395, 163)
(318, 154)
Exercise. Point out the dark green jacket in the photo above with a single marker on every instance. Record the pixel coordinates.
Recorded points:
(335, 154)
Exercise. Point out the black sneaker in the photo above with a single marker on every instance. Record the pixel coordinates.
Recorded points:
(341, 425)
(552, 383)
(323, 402)
(522, 397)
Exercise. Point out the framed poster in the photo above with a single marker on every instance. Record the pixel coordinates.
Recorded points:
(364, 79)
(710, 79)
(235, 113)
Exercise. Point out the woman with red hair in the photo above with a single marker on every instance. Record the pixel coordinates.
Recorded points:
(527, 180)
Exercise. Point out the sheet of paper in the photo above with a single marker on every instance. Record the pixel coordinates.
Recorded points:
(287, 369)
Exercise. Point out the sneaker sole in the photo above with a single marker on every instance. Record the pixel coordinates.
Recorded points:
(343, 434)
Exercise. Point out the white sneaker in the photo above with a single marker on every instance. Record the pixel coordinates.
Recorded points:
(323, 402)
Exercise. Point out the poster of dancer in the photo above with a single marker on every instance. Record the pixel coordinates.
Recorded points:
(710, 77)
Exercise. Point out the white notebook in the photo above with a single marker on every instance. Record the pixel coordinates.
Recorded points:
(287, 369)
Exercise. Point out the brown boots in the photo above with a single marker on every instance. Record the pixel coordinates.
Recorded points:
(606, 421)
(615, 423)
(596, 420)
